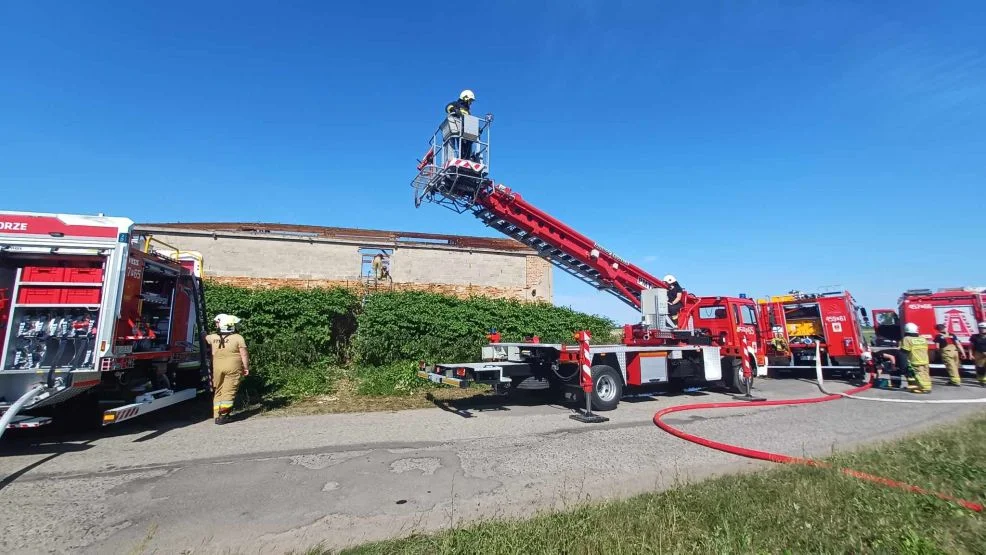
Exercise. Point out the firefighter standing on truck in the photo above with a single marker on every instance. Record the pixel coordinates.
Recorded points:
(915, 350)
(230, 362)
(978, 342)
(676, 297)
(952, 353)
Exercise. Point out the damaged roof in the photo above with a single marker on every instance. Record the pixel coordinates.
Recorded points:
(348, 234)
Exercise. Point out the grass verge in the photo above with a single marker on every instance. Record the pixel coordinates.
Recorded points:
(781, 510)
(295, 382)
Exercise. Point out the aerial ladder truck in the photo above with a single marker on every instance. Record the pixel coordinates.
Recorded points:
(717, 340)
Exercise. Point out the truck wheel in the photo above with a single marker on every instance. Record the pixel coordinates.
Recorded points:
(732, 375)
(607, 388)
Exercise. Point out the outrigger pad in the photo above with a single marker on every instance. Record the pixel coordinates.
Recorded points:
(589, 418)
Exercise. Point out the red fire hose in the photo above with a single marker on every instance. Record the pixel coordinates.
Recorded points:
(778, 458)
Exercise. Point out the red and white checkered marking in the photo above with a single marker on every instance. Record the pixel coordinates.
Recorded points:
(585, 360)
(28, 422)
(468, 164)
(747, 369)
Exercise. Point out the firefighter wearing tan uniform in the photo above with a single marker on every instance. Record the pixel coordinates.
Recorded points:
(978, 342)
(915, 350)
(952, 353)
(230, 362)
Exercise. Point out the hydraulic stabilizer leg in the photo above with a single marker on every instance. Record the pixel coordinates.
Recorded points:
(747, 376)
(585, 363)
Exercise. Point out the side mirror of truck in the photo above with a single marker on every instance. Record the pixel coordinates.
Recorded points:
(863, 312)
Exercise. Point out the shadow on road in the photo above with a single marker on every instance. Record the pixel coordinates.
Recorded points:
(494, 403)
(568, 401)
(64, 435)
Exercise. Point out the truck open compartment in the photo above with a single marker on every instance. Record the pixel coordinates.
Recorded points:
(50, 311)
(155, 305)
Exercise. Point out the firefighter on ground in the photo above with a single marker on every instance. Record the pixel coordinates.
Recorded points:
(978, 342)
(952, 353)
(457, 109)
(676, 296)
(230, 363)
(915, 349)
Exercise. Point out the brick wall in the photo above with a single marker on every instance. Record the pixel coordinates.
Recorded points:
(265, 260)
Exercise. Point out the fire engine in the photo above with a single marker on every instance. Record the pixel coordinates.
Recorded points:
(713, 339)
(799, 321)
(95, 320)
(959, 308)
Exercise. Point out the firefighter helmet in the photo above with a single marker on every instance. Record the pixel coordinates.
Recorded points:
(467, 95)
(982, 325)
(670, 278)
(226, 322)
(910, 327)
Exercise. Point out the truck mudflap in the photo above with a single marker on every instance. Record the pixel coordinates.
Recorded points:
(148, 402)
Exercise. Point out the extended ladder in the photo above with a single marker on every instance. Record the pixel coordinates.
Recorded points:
(555, 256)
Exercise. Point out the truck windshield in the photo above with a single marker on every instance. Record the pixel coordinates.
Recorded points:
(749, 315)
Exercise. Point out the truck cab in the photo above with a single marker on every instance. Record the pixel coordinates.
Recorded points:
(958, 308)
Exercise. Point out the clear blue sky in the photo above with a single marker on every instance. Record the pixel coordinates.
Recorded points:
(748, 147)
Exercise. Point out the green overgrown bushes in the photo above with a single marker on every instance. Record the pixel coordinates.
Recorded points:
(426, 326)
(300, 338)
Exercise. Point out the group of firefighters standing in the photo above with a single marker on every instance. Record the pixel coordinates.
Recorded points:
(915, 351)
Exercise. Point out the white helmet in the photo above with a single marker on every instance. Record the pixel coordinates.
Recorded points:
(467, 95)
(910, 327)
(226, 322)
(982, 325)
(669, 278)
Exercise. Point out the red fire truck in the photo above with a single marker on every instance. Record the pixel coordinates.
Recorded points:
(95, 322)
(959, 308)
(800, 321)
(709, 344)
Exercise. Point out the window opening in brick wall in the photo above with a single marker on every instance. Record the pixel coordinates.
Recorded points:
(367, 256)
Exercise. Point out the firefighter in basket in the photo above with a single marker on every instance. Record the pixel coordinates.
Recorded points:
(978, 342)
(230, 362)
(915, 350)
(952, 353)
(455, 110)
(676, 297)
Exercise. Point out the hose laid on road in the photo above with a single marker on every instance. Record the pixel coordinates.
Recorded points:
(786, 459)
(849, 394)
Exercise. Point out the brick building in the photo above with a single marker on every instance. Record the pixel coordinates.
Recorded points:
(259, 255)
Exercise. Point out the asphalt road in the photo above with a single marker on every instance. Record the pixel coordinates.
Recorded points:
(178, 484)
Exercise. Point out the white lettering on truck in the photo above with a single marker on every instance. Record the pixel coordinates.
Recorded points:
(13, 226)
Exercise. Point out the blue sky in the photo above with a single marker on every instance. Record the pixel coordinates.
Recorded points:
(749, 147)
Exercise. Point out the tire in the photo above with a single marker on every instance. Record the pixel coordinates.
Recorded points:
(607, 388)
(732, 375)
